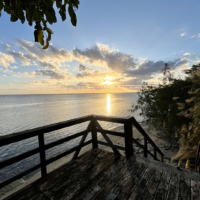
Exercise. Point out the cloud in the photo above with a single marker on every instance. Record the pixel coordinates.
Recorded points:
(52, 54)
(193, 36)
(187, 54)
(87, 72)
(6, 60)
(102, 55)
(84, 68)
(95, 64)
(182, 34)
(59, 75)
(25, 59)
(48, 65)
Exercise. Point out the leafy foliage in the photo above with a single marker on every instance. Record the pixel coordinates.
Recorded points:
(191, 107)
(158, 108)
(39, 12)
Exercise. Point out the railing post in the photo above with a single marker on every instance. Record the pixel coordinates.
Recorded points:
(42, 155)
(155, 154)
(128, 131)
(94, 133)
(145, 147)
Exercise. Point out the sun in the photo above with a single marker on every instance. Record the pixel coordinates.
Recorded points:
(108, 80)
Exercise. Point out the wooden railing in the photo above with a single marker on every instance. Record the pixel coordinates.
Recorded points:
(93, 127)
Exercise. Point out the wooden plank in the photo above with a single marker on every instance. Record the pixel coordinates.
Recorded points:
(94, 133)
(15, 137)
(93, 187)
(66, 171)
(42, 155)
(162, 190)
(90, 183)
(104, 192)
(27, 193)
(133, 190)
(114, 146)
(79, 149)
(70, 184)
(19, 176)
(128, 131)
(141, 130)
(173, 191)
(67, 152)
(107, 139)
(130, 175)
(195, 190)
(18, 158)
(152, 186)
(66, 139)
(81, 142)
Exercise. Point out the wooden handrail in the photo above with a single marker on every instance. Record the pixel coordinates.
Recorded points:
(147, 138)
(93, 127)
(142, 131)
(15, 137)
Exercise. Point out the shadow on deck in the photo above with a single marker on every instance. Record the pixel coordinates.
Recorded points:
(100, 175)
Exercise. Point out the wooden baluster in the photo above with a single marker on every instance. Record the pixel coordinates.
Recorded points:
(145, 147)
(42, 155)
(81, 142)
(94, 133)
(128, 131)
(155, 154)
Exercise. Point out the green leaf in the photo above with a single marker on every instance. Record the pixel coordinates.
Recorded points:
(62, 12)
(48, 17)
(49, 30)
(21, 15)
(58, 3)
(72, 15)
(31, 11)
(46, 45)
(49, 36)
(38, 15)
(13, 17)
(40, 37)
(36, 35)
(1, 5)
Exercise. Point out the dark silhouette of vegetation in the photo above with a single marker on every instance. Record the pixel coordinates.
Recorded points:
(157, 106)
(39, 12)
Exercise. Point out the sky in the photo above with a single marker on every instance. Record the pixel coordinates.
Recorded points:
(115, 47)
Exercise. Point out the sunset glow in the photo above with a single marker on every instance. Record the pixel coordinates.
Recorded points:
(95, 57)
(108, 80)
(108, 106)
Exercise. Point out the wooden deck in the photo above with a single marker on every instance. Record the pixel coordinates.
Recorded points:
(100, 175)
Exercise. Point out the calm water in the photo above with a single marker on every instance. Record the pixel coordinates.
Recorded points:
(22, 112)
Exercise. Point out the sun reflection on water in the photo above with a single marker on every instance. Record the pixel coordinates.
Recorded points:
(108, 106)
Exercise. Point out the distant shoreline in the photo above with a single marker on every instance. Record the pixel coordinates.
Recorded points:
(70, 93)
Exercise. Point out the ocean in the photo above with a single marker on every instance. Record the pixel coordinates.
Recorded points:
(23, 112)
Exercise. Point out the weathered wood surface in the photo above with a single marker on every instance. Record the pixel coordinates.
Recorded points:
(137, 192)
(102, 175)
